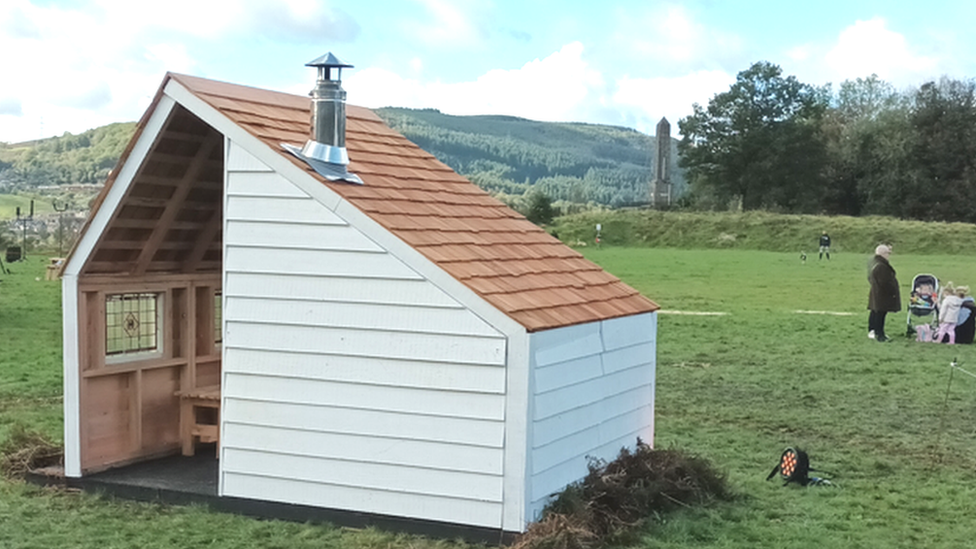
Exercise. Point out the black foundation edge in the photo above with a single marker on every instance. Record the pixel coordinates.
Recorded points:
(285, 511)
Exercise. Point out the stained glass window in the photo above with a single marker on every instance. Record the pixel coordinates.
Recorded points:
(131, 323)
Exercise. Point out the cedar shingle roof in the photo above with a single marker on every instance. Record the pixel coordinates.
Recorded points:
(511, 263)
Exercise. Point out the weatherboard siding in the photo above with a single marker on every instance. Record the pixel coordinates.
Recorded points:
(592, 393)
(349, 380)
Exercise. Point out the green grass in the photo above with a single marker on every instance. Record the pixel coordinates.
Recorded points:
(736, 389)
(764, 231)
(739, 388)
(10, 202)
(30, 348)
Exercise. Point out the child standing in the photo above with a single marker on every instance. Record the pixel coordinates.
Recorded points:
(949, 314)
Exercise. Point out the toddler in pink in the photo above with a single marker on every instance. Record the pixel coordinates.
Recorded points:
(949, 314)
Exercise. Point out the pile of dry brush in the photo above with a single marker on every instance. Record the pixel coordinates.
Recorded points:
(616, 497)
(25, 451)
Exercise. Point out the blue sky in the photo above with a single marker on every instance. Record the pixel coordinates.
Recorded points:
(70, 65)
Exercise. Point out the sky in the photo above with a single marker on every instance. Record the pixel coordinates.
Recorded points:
(72, 65)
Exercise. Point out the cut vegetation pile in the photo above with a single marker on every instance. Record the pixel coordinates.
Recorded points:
(24, 451)
(616, 497)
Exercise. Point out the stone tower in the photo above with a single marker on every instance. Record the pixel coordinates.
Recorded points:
(661, 184)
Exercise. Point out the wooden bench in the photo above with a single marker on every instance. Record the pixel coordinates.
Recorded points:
(199, 417)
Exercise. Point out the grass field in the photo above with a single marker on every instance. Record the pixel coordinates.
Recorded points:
(10, 202)
(736, 388)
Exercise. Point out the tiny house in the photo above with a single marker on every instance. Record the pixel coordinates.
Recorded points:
(351, 323)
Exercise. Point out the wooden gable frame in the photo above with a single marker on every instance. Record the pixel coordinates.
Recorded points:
(157, 231)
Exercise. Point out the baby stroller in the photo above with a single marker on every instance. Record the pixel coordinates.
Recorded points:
(923, 304)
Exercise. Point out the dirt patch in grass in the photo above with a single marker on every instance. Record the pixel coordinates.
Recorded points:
(24, 451)
(616, 497)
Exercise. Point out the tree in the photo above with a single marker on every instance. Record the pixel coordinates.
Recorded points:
(540, 211)
(943, 118)
(867, 134)
(758, 143)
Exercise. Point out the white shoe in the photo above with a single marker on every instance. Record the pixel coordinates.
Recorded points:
(871, 334)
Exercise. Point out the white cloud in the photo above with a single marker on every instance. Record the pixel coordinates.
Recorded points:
(288, 20)
(669, 38)
(643, 101)
(172, 56)
(16, 23)
(561, 86)
(375, 87)
(862, 49)
(450, 23)
(11, 106)
(416, 64)
(869, 47)
(73, 71)
(82, 65)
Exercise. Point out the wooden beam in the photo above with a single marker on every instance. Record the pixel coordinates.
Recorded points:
(150, 223)
(163, 181)
(168, 158)
(140, 170)
(146, 202)
(176, 202)
(137, 245)
(97, 268)
(126, 284)
(205, 239)
(144, 365)
(183, 136)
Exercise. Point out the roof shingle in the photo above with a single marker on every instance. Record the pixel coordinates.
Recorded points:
(508, 261)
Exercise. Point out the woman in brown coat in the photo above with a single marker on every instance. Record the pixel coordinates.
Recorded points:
(885, 296)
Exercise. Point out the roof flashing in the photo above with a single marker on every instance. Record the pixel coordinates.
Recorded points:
(331, 165)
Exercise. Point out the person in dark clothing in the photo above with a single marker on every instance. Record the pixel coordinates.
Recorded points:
(824, 245)
(966, 329)
(884, 296)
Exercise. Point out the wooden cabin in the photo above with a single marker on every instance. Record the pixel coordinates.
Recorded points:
(391, 341)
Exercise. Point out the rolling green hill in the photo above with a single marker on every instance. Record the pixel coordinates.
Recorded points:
(578, 163)
(573, 162)
(86, 158)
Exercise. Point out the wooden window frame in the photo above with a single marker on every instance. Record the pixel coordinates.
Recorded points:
(132, 356)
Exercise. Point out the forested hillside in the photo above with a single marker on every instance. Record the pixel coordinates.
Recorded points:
(86, 158)
(579, 163)
(572, 162)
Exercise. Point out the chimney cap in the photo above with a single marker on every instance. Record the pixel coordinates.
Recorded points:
(328, 61)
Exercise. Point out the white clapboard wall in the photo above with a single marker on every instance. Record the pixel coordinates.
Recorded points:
(349, 381)
(592, 394)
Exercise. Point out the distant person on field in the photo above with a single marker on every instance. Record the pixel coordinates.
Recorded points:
(824, 245)
(949, 314)
(884, 297)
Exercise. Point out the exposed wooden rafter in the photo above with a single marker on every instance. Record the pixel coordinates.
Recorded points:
(205, 239)
(175, 203)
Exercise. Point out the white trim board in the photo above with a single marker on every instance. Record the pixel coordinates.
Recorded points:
(72, 376)
(120, 187)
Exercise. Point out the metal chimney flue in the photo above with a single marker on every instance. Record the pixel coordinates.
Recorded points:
(328, 132)
(325, 151)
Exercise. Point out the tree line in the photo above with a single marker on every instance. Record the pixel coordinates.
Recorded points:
(85, 158)
(573, 164)
(772, 142)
